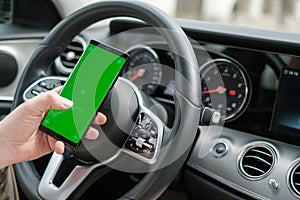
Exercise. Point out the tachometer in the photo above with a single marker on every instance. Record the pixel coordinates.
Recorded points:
(225, 87)
(143, 69)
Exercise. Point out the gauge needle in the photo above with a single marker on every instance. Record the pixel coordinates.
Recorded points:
(219, 90)
(137, 73)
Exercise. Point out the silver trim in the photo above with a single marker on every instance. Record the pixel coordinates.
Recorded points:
(224, 169)
(59, 65)
(140, 46)
(227, 148)
(159, 125)
(206, 66)
(262, 144)
(62, 78)
(289, 179)
(149, 49)
(6, 98)
(49, 191)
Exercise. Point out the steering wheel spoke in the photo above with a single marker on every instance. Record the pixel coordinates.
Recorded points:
(145, 139)
(50, 187)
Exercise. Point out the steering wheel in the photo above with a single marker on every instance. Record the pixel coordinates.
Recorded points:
(173, 148)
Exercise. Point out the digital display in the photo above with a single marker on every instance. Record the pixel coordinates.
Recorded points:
(286, 115)
(87, 87)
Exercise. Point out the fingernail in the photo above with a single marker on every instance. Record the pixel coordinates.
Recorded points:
(67, 103)
(104, 118)
(101, 115)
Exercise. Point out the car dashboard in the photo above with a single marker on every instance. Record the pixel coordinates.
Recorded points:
(240, 70)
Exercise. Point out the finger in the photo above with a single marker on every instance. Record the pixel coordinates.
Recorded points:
(100, 119)
(55, 145)
(58, 89)
(92, 133)
(59, 147)
(47, 100)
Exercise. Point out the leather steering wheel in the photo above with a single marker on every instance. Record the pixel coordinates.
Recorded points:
(187, 103)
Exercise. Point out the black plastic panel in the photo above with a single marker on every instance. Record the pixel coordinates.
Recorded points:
(199, 186)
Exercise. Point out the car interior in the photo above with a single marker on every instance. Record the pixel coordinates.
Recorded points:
(201, 110)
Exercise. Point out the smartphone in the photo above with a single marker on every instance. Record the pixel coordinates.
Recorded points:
(87, 86)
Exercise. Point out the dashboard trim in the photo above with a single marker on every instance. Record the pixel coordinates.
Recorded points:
(215, 167)
(290, 171)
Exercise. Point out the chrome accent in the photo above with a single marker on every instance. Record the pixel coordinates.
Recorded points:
(251, 167)
(218, 155)
(58, 63)
(273, 184)
(149, 49)
(289, 178)
(222, 170)
(6, 98)
(248, 148)
(140, 46)
(258, 158)
(246, 79)
(62, 78)
(49, 191)
(159, 125)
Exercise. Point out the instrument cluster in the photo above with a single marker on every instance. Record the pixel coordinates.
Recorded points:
(226, 85)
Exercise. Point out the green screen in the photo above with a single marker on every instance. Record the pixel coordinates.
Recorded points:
(87, 87)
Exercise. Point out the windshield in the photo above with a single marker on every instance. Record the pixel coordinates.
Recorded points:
(282, 15)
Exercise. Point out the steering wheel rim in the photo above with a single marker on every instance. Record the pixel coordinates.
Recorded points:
(187, 98)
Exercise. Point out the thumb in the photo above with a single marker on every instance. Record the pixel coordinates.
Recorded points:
(43, 102)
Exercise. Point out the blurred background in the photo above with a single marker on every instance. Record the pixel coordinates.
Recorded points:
(283, 15)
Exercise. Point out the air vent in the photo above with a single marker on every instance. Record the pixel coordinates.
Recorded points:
(294, 179)
(257, 161)
(5, 11)
(69, 57)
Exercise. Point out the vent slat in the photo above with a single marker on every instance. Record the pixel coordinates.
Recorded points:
(260, 159)
(75, 47)
(254, 168)
(257, 162)
(294, 179)
(262, 152)
(68, 59)
(69, 64)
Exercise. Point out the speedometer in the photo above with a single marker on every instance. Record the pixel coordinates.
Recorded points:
(143, 68)
(225, 87)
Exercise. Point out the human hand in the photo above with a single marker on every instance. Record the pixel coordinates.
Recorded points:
(20, 137)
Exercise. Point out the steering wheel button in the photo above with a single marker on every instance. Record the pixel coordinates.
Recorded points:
(34, 92)
(40, 89)
(43, 84)
(139, 142)
(148, 146)
(152, 141)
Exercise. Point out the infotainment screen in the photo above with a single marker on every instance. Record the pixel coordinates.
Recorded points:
(286, 114)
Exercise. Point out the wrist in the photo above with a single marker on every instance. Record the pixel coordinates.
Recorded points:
(6, 149)
(6, 155)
